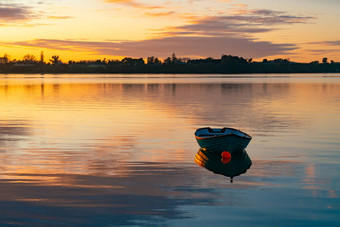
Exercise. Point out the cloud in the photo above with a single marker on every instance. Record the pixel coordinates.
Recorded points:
(18, 15)
(161, 14)
(188, 46)
(327, 43)
(251, 21)
(134, 3)
(323, 51)
(59, 17)
(209, 36)
(15, 12)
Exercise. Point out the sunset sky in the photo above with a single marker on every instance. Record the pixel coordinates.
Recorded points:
(301, 30)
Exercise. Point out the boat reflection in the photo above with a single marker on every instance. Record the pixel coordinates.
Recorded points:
(237, 165)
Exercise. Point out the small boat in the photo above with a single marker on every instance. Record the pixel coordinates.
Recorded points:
(225, 139)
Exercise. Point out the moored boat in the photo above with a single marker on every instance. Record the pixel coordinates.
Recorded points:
(225, 139)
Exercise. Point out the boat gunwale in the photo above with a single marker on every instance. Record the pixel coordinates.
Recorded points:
(224, 135)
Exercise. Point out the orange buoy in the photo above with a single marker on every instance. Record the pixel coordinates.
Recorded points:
(226, 157)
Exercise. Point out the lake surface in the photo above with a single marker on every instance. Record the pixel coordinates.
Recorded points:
(101, 150)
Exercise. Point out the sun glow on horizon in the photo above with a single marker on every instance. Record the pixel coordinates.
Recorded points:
(97, 29)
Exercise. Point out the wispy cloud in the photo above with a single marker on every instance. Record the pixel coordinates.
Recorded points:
(16, 12)
(251, 21)
(322, 51)
(59, 17)
(323, 47)
(160, 14)
(326, 43)
(134, 3)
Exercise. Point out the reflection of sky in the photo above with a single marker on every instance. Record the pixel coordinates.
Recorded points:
(11, 132)
(98, 113)
(125, 151)
(126, 117)
(160, 193)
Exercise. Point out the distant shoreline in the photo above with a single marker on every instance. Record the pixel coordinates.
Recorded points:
(165, 73)
(227, 64)
(213, 75)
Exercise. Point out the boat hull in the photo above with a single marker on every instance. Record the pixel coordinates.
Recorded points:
(229, 142)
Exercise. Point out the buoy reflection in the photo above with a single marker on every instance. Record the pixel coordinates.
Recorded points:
(231, 166)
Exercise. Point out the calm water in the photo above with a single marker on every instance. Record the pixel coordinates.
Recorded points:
(109, 150)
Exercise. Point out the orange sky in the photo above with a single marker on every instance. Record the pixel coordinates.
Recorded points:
(302, 31)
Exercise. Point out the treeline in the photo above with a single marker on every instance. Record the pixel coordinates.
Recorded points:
(227, 64)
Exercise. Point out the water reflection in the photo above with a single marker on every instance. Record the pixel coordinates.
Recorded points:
(237, 165)
(98, 151)
(251, 106)
(12, 131)
(147, 193)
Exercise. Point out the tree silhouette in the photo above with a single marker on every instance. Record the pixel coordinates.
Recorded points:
(132, 62)
(232, 60)
(5, 59)
(42, 57)
(29, 59)
(226, 64)
(55, 60)
(153, 61)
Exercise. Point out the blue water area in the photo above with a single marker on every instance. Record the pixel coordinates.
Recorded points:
(108, 150)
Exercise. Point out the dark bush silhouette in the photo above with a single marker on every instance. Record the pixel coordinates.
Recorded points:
(225, 65)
